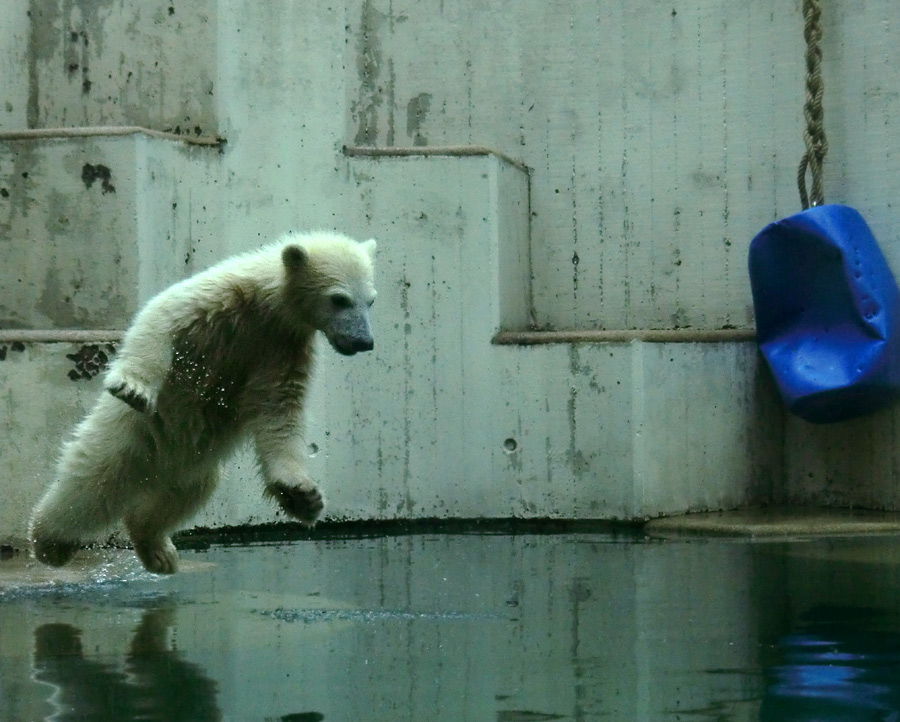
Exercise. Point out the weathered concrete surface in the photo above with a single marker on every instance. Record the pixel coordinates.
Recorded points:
(659, 140)
(90, 227)
(853, 463)
(662, 136)
(14, 62)
(67, 232)
(115, 62)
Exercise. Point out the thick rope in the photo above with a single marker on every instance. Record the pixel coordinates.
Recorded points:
(814, 134)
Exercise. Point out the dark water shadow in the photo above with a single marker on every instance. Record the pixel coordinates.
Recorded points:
(152, 683)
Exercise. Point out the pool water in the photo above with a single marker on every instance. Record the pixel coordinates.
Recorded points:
(460, 627)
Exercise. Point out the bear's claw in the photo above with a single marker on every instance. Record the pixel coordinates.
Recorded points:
(130, 396)
(303, 503)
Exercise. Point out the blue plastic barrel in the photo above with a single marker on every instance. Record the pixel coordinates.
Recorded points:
(827, 314)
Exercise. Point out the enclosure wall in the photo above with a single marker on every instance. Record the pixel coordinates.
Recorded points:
(524, 165)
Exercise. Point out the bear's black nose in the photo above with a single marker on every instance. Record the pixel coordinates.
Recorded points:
(363, 344)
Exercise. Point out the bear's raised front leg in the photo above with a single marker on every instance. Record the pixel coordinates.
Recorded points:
(143, 360)
(279, 447)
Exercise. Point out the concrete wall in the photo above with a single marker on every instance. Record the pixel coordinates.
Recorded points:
(662, 136)
(639, 148)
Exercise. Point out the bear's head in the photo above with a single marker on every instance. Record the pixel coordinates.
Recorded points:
(330, 282)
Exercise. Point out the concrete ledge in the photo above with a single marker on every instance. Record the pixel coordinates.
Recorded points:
(459, 151)
(105, 131)
(778, 523)
(59, 335)
(650, 335)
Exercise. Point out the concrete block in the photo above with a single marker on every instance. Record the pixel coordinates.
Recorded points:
(708, 428)
(409, 431)
(122, 63)
(67, 211)
(93, 225)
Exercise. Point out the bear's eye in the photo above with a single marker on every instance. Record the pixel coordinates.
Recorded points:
(340, 300)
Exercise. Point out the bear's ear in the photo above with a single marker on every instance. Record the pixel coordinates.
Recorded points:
(369, 247)
(294, 257)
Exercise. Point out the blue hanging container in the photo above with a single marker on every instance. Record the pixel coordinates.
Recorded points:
(827, 314)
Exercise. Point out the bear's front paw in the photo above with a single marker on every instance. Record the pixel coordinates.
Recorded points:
(304, 503)
(137, 396)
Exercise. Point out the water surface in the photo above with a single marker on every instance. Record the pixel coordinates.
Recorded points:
(460, 627)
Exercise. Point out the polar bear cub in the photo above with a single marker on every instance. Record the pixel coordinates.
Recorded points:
(218, 357)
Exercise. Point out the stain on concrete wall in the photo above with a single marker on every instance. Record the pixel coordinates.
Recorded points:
(98, 172)
(15, 347)
(370, 98)
(67, 236)
(89, 361)
(416, 113)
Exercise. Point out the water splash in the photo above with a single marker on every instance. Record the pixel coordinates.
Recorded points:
(114, 573)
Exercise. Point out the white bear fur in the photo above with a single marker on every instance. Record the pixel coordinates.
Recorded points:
(221, 355)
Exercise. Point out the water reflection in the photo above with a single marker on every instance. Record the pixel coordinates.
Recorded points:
(839, 664)
(154, 683)
(452, 628)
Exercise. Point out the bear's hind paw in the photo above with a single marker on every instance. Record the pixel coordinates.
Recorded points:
(301, 502)
(54, 552)
(157, 557)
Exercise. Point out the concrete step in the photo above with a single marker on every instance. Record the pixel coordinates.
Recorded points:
(68, 64)
(47, 386)
(92, 223)
(778, 523)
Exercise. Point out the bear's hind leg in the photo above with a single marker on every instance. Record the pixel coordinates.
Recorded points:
(71, 510)
(156, 516)
(96, 477)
